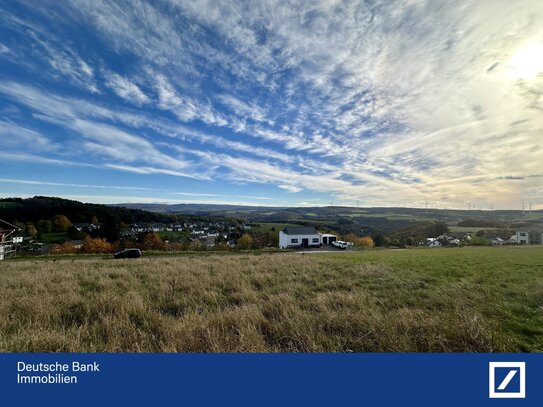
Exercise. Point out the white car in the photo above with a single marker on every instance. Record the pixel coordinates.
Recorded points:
(340, 244)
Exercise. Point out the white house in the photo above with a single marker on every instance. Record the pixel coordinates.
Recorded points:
(432, 242)
(6, 239)
(530, 235)
(303, 237)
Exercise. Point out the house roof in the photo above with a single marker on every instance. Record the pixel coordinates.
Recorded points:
(532, 228)
(300, 231)
(10, 227)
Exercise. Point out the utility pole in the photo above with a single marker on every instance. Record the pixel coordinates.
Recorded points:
(522, 207)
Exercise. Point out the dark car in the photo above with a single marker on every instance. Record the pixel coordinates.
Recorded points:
(128, 254)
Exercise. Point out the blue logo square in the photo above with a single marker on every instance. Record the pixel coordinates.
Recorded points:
(505, 380)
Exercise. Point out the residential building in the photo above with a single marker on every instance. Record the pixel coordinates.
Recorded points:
(303, 237)
(530, 235)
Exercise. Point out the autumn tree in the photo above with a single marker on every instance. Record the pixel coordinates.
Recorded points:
(152, 241)
(30, 230)
(245, 242)
(61, 223)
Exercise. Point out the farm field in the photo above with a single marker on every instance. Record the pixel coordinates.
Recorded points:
(482, 299)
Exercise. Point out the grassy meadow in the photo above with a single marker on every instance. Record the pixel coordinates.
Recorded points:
(462, 300)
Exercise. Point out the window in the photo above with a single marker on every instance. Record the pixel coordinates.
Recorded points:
(522, 233)
(315, 240)
(293, 240)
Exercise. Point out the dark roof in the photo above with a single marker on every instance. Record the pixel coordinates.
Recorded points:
(532, 228)
(10, 226)
(300, 231)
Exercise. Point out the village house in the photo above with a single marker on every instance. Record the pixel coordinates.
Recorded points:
(529, 235)
(6, 239)
(497, 241)
(209, 242)
(443, 240)
(303, 237)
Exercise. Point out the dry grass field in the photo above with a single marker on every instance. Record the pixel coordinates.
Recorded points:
(421, 300)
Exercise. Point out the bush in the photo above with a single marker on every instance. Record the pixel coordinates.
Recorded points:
(65, 248)
(365, 241)
(222, 247)
(479, 241)
(97, 245)
(196, 245)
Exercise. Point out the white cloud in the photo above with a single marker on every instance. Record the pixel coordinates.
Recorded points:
(151, 170)
(242, 109)
(68, 63)
(14, 136)
(185, 108)
(63, 184)
(291, 188)
(126, 89)
(397, 102)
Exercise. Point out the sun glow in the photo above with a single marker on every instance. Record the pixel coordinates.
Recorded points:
(527, 62)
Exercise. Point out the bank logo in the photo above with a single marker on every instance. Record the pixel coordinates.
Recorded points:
(507, 380)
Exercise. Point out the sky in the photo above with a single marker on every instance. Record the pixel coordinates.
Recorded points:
(274, 103)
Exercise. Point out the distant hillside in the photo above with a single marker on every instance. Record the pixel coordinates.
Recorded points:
(41, 207)
(349, 219)
(340, 219)
(194, 208)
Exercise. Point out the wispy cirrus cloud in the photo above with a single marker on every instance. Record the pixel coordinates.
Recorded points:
(126, 89)
(70, 185)
(15, 136)
(393, 102)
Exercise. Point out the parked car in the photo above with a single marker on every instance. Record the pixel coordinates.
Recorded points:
(340, 244)
(128, 254)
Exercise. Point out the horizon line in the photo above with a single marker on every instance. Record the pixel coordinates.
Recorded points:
(248, 205)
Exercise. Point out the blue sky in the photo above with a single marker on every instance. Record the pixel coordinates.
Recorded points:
(388, 103)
